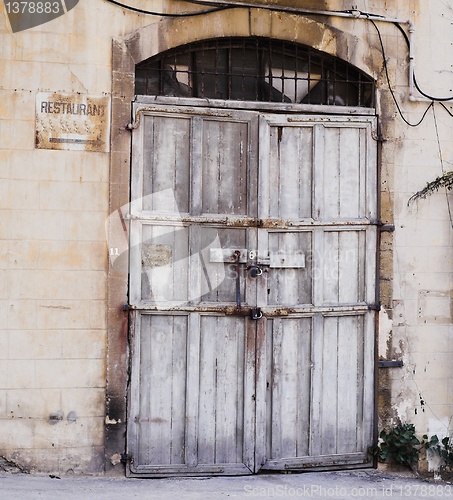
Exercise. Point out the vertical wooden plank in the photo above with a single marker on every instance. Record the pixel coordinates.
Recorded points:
(257, 382)
(349, 384)
(329, 267)
(208, 390)
(291, 160)
(178, 390)
(181, 263)
(317, 393)
(349, 172)
(367, 180)
(134, 395)
(305, 160)
(304, 343)
(288, 145)
(135, 262)
(210, 166)
(367, 361)
(192, 389)
(145, 172)
(290, 397)
(196, 165)
(274, 171)
(318, 171)
(138, 145)
(163, 166)
(371, 170)
(264, 165)
(229, 332)
(167, 164)
(183, 147)
(349, 267)
(331, 194)
(329, 416)
(142, 354)
(318, 265)
(253, 166)
(160, 377)
(233, 168)
(195, 271)
(369, 264)
(277, 361)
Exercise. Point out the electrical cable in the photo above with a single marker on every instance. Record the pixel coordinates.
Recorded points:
(390, 87)
(442, 164)
(230, 6)
(446, 109)
(167, 14)
(439, 99)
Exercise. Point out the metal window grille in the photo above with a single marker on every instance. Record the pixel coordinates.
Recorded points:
(254, 69)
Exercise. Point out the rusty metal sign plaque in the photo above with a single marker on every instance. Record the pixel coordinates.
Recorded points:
(72, 122)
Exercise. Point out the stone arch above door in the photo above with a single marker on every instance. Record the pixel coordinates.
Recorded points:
(140, 45)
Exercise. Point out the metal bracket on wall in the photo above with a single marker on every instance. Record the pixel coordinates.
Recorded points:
(394, 363)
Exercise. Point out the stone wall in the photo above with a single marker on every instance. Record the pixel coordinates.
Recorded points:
(56, 293)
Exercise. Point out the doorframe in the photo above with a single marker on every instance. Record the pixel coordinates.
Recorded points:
(134, 48)
(147, 106)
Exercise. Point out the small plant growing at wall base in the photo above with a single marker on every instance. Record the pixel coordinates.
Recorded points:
(399, 444)
(443, 448)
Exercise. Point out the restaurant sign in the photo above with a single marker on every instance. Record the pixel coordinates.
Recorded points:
(72, 121)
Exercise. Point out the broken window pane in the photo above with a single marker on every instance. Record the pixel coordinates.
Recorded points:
(254, 69)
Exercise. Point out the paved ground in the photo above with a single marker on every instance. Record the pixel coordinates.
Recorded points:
(345, 485)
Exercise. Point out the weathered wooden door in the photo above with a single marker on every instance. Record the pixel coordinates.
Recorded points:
(252, 267)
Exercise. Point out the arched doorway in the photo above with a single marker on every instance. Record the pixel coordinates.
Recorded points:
(252, 260)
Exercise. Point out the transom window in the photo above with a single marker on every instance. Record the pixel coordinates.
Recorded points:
(254, 69)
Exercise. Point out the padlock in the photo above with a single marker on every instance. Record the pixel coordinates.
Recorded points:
(256, 313)
(255, 271)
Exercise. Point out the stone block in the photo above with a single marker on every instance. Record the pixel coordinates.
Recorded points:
(86, 402)
(33, 403)
(69, 373)
(21, 374)
(16, 434)
(4, 344)
(83, 344)
(22, 254)
(98, 313)
(98, 255)
(21, 314)
(56, 284)
(85, 226)
(35, 344)
(69, 255)
(24, 195)
(62, 314)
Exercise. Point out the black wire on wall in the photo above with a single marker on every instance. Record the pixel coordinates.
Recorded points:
(167, 14)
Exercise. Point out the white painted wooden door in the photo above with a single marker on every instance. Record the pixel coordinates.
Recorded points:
(318, 202)
(236, 214)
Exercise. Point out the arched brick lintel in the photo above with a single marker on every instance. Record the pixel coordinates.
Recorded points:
(173, 32)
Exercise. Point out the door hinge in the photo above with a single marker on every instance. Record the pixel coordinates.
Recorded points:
(125, 458)
(374, 307)
(383, 226)
(394, 363)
